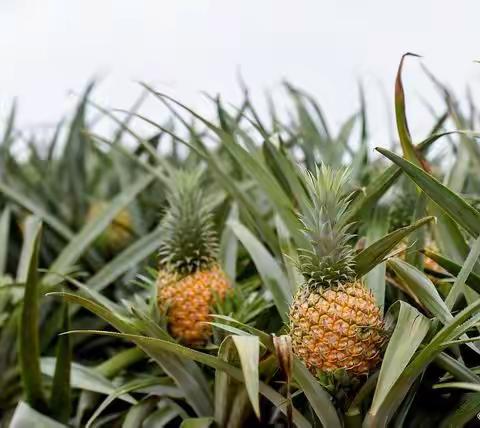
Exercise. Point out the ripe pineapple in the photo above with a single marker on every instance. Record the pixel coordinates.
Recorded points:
(189, 278)
(335, 322)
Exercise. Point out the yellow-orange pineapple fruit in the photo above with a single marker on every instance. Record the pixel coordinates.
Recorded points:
(335, 323)
(189, 278)
(189, 299)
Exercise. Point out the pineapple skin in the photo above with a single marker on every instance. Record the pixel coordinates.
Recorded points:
(340, 327)
(186, 301)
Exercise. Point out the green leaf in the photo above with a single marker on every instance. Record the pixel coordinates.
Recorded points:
(456, 368)
(268, 268)
(464, 273)
(461, 385)
(416, 241)
(468, 408)
(379, 186)
(162, 416)
(131, 386)
(454, 205)
(267, 182)
(421, 289)
(153, 347)
(87, 235)
(7, 138)
(473, 280)
(376, 252)
(285, 170)
(85, 378)
(4, 238)
(29, 341)
(32, 233)
(318, 398)
(248, 349)
(30, 205)
(249, 210)
(186, 374)
(372, 193)
(463, 321)
(289, 253)
(126, 260)
(26, 417)
(229, 247)
(448, 236)
(410, 330)
(60, 400)
(409, 151)
(120, 361)
(196, 423)
(138, 413)
(375, 278)
(224, 387)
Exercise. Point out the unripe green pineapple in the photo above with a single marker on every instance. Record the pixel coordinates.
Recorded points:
(190, 278)
(335, 323)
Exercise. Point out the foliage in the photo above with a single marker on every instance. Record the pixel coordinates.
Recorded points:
(82, 342)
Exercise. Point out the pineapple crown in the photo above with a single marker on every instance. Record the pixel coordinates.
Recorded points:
(329, 259)
(190, 242)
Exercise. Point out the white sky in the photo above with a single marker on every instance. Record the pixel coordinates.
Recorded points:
(49, 48)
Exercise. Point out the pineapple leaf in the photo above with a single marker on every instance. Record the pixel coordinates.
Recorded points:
(87, 235)
(155, 347)
(186, 374)
(368, 258)
(29, 340)
(409, 151)
(410, 329)
(421, 288)
(4, 238)
(26, 416)
(84, 378)
(472, 280)
(60, 399)
(375, 279)
(249, 353)
(268, 268)
(453, 204)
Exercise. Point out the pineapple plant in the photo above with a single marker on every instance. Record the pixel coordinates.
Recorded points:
(235, 381)
(190, 279)
(335, 323)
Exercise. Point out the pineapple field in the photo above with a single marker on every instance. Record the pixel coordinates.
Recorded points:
(241, 269)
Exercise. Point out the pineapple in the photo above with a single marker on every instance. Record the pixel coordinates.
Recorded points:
(189, 278)
(117, 235)
(335, 323)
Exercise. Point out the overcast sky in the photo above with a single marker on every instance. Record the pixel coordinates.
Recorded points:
(50, 48)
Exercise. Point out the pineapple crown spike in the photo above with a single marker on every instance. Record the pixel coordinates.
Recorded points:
(329, 259)
(189, 242)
